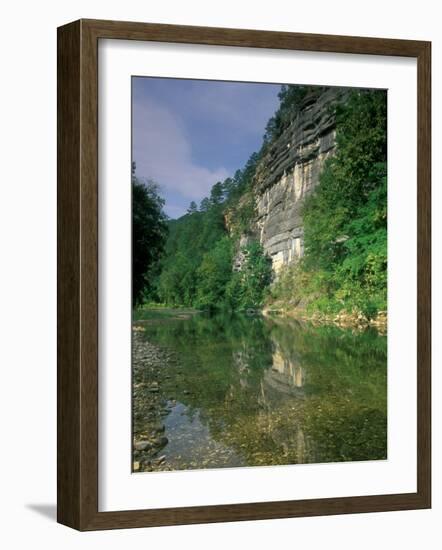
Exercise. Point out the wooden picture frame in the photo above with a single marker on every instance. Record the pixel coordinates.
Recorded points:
(78, 274)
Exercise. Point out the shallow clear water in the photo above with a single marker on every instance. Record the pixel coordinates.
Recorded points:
(242, 391)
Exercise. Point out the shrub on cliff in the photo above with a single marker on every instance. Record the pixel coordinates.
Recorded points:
(290, 100)
(247, 288)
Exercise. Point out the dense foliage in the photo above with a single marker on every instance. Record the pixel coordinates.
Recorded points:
(197, 268)
(247, 288)
(149, 232)
(345, 219)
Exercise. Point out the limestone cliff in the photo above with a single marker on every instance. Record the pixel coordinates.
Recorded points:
(288, 172)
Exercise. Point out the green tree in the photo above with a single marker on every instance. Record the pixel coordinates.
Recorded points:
(149, 231)
(192, 208)
(214, 274)
(217, 194)
(204, 204)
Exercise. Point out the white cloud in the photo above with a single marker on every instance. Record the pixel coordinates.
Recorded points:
(163, 153)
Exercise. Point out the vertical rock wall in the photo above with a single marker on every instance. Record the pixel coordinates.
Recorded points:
(289, 171)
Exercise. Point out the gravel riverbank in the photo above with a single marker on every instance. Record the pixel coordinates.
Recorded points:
(150, 403)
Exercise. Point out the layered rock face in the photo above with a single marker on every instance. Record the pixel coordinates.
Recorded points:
(290, 171)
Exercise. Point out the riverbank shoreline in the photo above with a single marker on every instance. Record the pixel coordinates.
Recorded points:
(151, 312)
(343, 319)
(151, 403)
(347, 320)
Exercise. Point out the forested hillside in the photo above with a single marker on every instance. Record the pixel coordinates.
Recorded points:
(343, 218)
(196, 268)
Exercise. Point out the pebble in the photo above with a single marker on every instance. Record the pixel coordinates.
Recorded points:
(142, 446)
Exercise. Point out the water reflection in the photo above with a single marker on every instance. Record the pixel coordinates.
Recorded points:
(236, 391)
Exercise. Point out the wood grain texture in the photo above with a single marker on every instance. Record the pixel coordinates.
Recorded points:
(252, 38)
(77, 217)
(68, 276)
(424, 274)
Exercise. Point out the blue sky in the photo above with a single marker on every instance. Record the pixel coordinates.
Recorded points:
(189, 134)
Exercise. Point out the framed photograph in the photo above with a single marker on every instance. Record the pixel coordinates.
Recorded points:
(243, 274)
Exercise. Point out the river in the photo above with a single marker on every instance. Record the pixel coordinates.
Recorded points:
(230, 390)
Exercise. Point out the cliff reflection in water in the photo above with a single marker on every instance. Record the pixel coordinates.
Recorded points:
(245, 391)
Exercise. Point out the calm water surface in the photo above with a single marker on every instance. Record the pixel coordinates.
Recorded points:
(246, 391)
